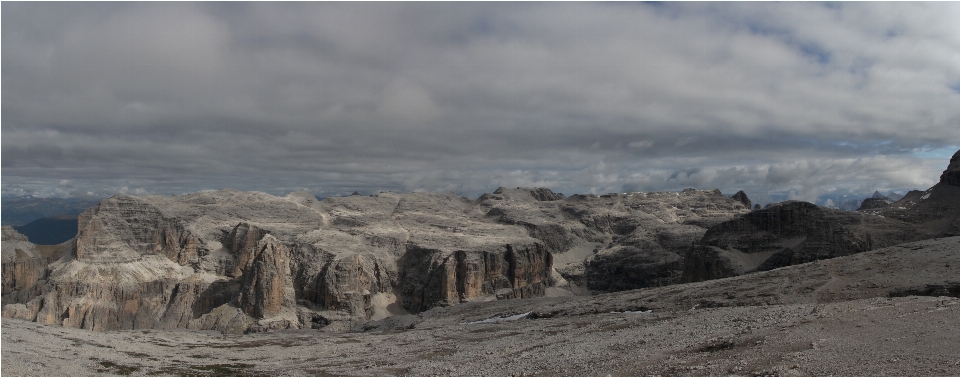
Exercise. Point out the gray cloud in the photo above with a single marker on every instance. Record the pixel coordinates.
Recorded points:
(793, 100)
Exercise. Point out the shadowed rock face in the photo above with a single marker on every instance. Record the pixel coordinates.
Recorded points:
(790, 233)
(742, 198)
(246, 261)
(874, 203)
(951, 176)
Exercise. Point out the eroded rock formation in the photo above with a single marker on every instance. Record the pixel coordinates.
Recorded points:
(246, 261)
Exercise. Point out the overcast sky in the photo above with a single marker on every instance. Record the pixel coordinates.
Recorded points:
(783, 100)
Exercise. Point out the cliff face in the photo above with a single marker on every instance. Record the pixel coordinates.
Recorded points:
(246, 261)
(24, 265)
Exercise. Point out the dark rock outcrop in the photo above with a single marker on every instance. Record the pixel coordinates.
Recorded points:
(790, 233)
(951, 176)
(742, 198)
(874, 203)
(630, 268)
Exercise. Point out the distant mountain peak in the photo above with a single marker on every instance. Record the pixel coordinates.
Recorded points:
(951, 176)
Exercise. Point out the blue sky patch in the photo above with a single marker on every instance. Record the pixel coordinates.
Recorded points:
(940, 154)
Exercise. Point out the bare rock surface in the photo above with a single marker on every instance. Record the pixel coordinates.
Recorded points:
(250, 262)
(868, 314)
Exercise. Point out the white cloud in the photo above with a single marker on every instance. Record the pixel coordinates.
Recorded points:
(778, 99)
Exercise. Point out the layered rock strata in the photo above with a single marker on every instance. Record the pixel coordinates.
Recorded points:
(247, 261)
(24, 265)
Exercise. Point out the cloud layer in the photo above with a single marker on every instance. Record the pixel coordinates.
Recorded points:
(783, 100)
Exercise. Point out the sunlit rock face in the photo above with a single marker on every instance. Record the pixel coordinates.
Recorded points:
(248, 261)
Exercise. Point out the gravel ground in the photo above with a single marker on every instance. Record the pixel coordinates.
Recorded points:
(905, 336)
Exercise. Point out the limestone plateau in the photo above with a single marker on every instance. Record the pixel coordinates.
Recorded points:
(242, 262)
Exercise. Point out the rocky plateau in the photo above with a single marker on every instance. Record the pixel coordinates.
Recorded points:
(247, 262)
(516, 282)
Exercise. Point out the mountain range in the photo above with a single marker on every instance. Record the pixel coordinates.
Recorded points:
(517, 281)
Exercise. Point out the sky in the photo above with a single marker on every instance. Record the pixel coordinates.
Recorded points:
(805, 101)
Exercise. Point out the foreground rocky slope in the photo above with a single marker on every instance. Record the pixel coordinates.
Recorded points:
(887, 312)
(245, 261)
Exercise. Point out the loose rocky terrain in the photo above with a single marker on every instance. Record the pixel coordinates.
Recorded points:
(887, 312)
